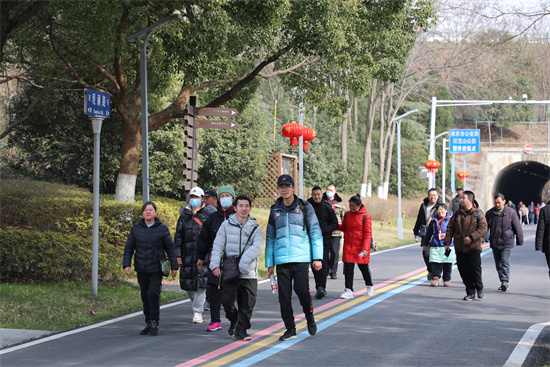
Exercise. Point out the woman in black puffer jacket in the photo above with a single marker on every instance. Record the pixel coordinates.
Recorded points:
(188, 229)
(149, 240)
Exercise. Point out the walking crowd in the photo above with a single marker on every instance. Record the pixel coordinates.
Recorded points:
(217, 246)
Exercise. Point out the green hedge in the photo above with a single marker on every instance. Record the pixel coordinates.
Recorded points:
(28, 255)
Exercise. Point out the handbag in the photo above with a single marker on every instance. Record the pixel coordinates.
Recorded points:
(165, 266)
(230, 265)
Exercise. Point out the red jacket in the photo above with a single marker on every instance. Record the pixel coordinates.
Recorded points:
(357, 237)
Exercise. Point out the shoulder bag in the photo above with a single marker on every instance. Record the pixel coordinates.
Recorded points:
(230, 266)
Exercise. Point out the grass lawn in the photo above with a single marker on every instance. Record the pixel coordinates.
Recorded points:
(63, 306)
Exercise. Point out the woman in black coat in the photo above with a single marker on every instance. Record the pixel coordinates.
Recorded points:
(150, 241)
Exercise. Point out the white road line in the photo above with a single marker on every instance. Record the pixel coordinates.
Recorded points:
(521, 350)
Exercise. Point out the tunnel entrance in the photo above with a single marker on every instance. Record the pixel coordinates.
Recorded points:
(523, 181)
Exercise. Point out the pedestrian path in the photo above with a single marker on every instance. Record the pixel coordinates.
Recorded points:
(14, 336)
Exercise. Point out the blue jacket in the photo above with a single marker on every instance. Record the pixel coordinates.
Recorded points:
(290, 238)
(433, 230)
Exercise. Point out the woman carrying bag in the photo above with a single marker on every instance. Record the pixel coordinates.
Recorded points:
(149, 240)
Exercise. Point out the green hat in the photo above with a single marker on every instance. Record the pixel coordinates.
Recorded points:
(227, 189)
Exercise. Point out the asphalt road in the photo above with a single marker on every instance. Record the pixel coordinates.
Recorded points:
(406, 323)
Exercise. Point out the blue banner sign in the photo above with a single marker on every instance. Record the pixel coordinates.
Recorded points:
(97, 103)
(464, 141)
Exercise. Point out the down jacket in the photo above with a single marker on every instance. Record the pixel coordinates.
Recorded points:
(466, 224)
(187, 234)
(292, 236)
(542, 240)
(434, 230)
(326, 217)
(357, 235)
(502, 228)
(149, 245)
(234, 238)
(423, 217)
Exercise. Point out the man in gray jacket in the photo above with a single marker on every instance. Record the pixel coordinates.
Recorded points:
(240, 235)
(503, 224)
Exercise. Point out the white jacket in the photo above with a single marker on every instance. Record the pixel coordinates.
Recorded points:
(232, 234)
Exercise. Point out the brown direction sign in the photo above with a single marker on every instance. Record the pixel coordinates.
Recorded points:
(215, 124)
(216, 111)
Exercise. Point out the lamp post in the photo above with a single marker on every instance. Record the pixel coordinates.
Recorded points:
(399, 214)
(145, 34)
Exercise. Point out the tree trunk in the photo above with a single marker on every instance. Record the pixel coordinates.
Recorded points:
(371, 111)
(381, 148)
(129, 161)
(344, 138)
(388, 159)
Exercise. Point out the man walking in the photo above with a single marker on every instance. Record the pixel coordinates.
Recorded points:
(425, 214)
(293, 241)
(467, 228)
(455, 202)
(503, 224)
(328, 223)
(542, 240)
(331, 197)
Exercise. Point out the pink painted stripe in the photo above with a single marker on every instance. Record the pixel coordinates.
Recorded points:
(228, 348)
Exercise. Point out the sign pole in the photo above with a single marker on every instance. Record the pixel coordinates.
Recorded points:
(96, 125)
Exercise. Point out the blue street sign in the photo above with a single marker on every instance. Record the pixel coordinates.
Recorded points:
(464, 141)
(97, 103)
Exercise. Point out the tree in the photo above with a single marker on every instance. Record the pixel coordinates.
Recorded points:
(217, 52)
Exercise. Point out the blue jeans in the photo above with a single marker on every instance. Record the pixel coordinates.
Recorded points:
(447, 269)
(502, 263)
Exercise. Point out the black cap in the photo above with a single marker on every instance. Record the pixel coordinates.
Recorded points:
(211, 192)
(459, 188)
(285, 180)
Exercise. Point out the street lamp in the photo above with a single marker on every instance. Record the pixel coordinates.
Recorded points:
(399, 215)
(145, 34)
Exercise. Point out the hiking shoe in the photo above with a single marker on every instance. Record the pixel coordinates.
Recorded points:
(154, 330)
(333, 276)
(320, 293)
(370, 290)
(503, 287)
(214, 326)
(289, 334)
(241, 335)
(197, 318)
(207, 306)
(231, 329)
(469, 297)
(447, 283)
(146, 330)
(348, 294)
(311, 326)
(430, 276)
(480, 294)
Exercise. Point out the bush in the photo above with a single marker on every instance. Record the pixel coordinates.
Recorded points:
(52, 256)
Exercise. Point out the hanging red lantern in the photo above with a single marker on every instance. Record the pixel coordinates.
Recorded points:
(432, 166)
(293, 130)
(463, 175)
(309, 135)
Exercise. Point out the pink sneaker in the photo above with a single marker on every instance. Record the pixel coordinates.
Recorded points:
(214, 326)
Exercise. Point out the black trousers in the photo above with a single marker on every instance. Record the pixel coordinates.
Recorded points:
(244, 292)
(348, 274)
(321, 275)
(150, 285)
(287, 274)
(426, 256)
(469, 267)
(214, 296)
(334, 255)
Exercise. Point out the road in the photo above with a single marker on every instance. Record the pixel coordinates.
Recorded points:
(406, 323)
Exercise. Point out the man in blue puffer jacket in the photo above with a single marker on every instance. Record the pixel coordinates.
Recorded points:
(293, 241)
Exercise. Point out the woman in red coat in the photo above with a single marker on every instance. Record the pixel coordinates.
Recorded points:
(357, 228)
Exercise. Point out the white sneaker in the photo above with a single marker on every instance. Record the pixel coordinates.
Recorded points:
(370, 291)
(348, 294)
(197, 318)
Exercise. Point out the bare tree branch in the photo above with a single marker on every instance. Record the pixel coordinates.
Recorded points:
(13, 125)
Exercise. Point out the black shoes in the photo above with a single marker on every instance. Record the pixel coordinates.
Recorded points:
(231, 330)
(469, 297)
(503, 287)
(146, 330)
(321, 292)
(333, 276)
(154, 330)
(289, 334)
(480, 294)
(241, 335)
(311, 326)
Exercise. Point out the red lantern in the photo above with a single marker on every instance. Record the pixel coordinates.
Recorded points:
(463, 175)
(293, 130)
(309, 135)
(432, 166)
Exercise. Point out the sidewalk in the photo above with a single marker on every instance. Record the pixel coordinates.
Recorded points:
(14, 336)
